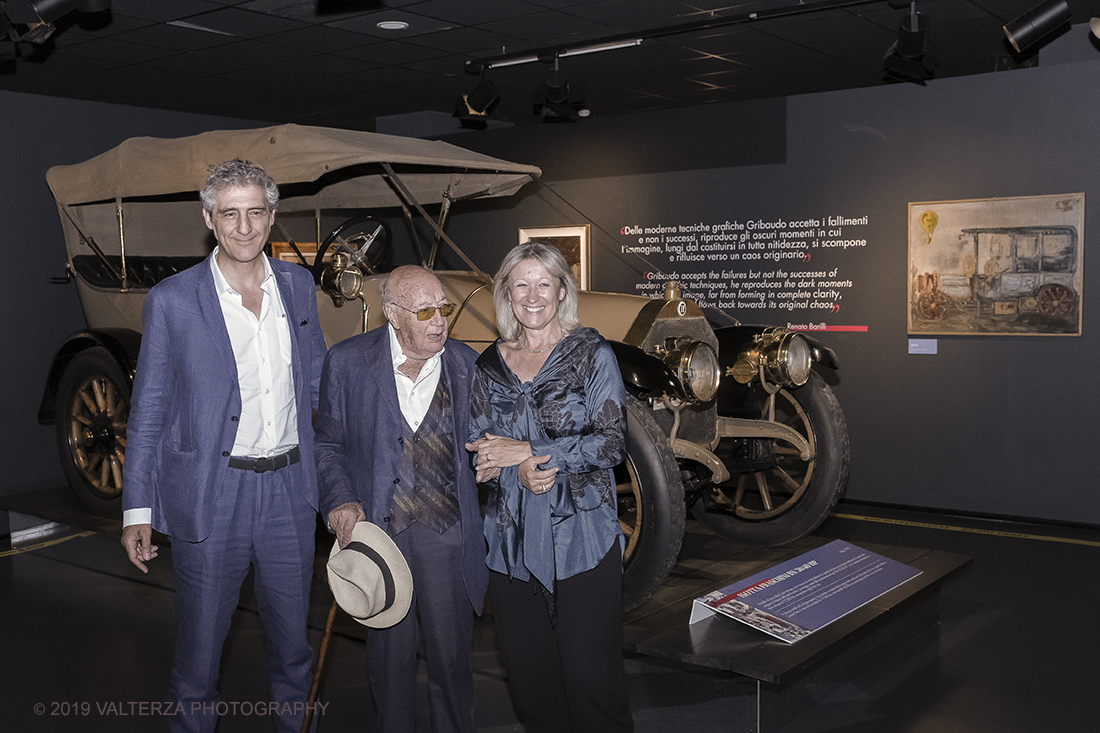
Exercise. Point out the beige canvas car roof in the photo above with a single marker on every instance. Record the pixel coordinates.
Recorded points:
(345, 163)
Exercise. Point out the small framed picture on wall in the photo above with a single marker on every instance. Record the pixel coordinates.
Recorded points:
(573, 241)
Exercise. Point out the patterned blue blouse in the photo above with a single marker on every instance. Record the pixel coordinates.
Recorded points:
(574, 411)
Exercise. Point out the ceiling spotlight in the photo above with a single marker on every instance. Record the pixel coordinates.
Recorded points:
(93, 6)
(1037, 23)
(911, 58)
(43, 11)
(393, 25)
(551, 96)
(912, 34)
(39, 15)
(555, 86)
(47, 11)
(556, 101)
(473, 109)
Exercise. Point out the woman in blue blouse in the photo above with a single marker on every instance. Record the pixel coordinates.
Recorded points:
(548, 424)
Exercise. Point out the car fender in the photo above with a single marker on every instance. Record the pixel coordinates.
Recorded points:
(644, 375)
(121, 343)
(822, 354)
(732, 339)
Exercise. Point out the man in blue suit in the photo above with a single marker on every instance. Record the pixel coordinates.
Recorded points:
(220, 447)
(391, 432)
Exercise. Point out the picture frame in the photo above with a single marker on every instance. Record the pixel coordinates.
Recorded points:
(574, 242)
(997, 267)
(283, 251)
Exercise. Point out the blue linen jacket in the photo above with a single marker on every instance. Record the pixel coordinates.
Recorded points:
(187, 401)
(359, 426)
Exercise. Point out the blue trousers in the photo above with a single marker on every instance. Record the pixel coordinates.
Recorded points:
(442, 613)
(261, 521)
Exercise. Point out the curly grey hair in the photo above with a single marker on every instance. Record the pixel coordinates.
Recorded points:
(237, 172)
(552, 259)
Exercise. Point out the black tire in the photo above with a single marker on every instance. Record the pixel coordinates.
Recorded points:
(93, 407)
(651, 507)
(802, 493)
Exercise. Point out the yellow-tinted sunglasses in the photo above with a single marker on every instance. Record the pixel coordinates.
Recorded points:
(425, 314)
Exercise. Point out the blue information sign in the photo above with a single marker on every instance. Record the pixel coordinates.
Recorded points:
(792, 600)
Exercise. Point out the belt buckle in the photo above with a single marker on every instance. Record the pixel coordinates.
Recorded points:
(264, 465)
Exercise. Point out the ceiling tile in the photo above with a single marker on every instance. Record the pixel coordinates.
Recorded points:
(316, 39)
(163, 11)
(474, 13)
(110, 49)
(245, 23)
(174, 37)
(279, 60)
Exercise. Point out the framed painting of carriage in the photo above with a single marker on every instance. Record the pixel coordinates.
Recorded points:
(1003, 266)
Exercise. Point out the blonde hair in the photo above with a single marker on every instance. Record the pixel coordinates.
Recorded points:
(552, 259)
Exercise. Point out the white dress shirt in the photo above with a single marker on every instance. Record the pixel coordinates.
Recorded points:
(268, 423)
(261, 347)
(414, 396)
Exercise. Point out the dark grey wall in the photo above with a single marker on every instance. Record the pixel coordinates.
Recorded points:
(36, 133)
(995, 425)
(750, 133)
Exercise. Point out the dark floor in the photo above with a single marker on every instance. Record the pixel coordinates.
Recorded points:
(1008, 645)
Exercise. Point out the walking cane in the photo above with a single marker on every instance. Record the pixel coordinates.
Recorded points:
(317, 674)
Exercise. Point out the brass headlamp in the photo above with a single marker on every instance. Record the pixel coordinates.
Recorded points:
(779, 354)
(341, 280)
(695, 365)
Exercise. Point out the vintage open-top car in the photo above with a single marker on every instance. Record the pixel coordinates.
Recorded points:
(732, 423)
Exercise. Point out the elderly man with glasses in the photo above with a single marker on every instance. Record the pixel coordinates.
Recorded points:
(391, 427)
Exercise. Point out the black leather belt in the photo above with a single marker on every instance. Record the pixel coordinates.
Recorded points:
(271, 463)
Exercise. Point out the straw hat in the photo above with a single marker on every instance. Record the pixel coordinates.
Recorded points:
(369, 578)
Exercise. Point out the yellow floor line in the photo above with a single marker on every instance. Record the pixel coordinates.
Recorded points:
(838, 515)
(951, 528)
(40, 545)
